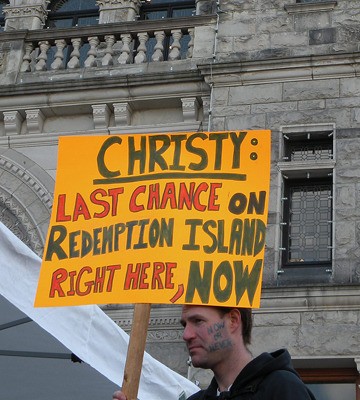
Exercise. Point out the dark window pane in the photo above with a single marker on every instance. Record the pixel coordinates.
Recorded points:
(83, 21)
(73, 5)
(333, 391)
(84, 49)
(183, 12)
(308, 215)
(167, 9)
(184, 41)
(61, 23)
(160, 14)
(308, 146)
(67, 13)
(308, 150)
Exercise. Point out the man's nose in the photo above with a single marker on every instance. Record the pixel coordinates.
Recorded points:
(188, 333)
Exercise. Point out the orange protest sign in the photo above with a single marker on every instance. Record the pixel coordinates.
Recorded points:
(158, 218)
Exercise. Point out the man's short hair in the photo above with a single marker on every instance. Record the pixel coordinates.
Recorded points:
(246, 319)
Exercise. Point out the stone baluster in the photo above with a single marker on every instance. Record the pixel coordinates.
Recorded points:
(141, 50)
(59, 55)
(74, 61)
(26, 64)
(158, 54)
(108, 57)
(190, 51)
(205, 7)
(91, 54)
(125, 56)
(42, 57)
(175, 47)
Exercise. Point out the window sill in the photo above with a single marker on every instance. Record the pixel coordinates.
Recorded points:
(310, 7)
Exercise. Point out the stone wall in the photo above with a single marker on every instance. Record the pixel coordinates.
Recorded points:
(256, 64)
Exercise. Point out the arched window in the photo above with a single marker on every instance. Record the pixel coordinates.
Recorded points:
(68, 13)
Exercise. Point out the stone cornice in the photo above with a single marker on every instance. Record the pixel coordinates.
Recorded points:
(282, 69)
(310, 7)
(51, 139)
(164, 322)
(289, 299)
(132, 81)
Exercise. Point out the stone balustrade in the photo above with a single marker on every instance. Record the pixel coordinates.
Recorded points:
(99, 46)
(121, 55)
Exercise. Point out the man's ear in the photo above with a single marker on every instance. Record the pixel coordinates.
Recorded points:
(235, 319)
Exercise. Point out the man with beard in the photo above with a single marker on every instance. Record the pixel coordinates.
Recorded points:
(218, 338)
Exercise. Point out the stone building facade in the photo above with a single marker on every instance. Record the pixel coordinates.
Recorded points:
(285, 65)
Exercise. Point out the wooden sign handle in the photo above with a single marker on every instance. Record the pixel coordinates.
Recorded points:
(135, 353)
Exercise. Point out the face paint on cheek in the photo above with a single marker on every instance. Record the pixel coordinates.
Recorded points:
(219, 337)
(216, 328)
(220, 345)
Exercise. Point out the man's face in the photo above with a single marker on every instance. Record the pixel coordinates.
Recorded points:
(206, 335)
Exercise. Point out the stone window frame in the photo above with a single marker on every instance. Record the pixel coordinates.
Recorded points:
(293, 170)
(3, 3)
(331, 375)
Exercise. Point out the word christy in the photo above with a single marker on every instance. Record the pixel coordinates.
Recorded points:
(170, 153)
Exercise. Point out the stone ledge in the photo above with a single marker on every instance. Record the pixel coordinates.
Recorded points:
(310, 7)
(272, 70)
(316, 298)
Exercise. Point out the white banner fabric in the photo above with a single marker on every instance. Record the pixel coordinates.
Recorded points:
(85, 330)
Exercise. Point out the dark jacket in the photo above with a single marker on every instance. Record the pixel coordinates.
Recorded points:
(269, 376)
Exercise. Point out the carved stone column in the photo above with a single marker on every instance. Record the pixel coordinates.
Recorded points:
(25, 14)
(118, 10)
(205, 7)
